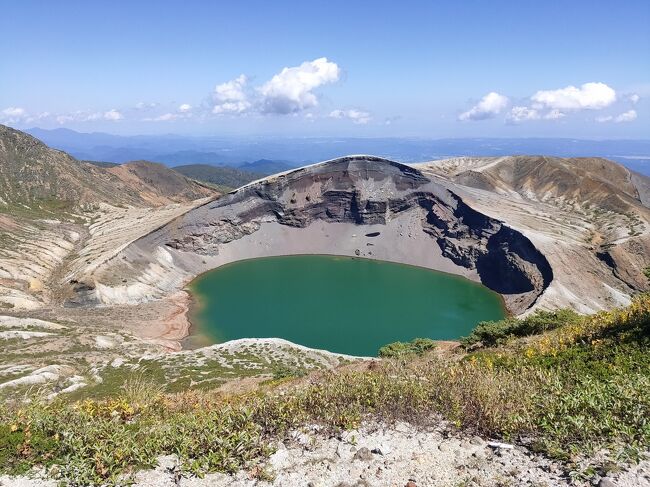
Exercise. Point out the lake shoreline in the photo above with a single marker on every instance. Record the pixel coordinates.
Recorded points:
(198, 324)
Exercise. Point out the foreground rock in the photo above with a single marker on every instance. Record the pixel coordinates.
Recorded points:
(386, 456)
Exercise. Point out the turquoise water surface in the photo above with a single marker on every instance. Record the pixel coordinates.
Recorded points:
(340, 304)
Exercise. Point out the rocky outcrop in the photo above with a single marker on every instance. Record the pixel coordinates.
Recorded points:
(353, 191)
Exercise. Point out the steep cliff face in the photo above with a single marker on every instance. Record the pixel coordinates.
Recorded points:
(356, 191)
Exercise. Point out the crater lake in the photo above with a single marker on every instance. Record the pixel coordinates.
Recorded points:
(341, 304)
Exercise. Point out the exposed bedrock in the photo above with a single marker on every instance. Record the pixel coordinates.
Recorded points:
(354, 191)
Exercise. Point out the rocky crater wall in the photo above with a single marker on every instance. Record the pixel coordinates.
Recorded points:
(411, 220)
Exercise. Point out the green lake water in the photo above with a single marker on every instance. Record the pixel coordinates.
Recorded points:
(340, 304)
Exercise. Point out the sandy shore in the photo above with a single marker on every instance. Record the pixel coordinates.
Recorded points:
(174, 325)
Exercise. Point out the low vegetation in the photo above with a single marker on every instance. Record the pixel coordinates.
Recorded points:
(562, 384)
(417, 346)
(491, 333)
(220, 176)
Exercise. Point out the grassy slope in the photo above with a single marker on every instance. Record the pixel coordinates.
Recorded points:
(579, 386)
(228, 177)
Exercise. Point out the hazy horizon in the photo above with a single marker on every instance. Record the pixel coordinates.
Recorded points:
(175, 149)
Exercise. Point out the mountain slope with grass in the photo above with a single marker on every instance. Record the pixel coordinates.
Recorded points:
(221, 176)
(33, 175)
(568, 391)
(267, 166)
(58, 214)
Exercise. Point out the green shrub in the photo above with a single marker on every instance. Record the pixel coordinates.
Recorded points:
(417, 346)
(492, 333)
(285, 372)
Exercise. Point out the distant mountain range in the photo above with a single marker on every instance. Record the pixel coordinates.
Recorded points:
(176, 150)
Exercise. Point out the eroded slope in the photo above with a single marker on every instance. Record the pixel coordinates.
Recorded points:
(589, 216)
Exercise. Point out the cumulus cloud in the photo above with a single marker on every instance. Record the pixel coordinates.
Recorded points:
(554, 114)
(113, 115)
(291, 90)
(165, 117)
(142, 105)
(590, 96)
(628, 116)
(183, 111)
(520, 114)
(13, 115)
(358, 117)
(490, 106)
(231, 97)
(14, 112)
(555, 104)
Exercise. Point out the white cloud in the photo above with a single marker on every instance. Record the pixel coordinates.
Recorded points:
(13, 115)
(185, 108)
(291, 90)
(634, 98)
(142, 105)
(14, 112)
(490, 105)
(554, 114)
(113, 115)
(628, 116)
(391, 120)
(231, 97)
(590, 96)
(358, 117)
(520, 114)
(165, 117)
(78, 116)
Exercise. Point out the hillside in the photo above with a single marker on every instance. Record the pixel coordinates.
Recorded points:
(32, 174)
(58, 213)
(582, 181)
(266, 166)
(102, 163)
(224, 176)
(156, 184)
(577, 211)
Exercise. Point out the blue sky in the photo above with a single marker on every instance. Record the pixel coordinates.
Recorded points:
(428, 68)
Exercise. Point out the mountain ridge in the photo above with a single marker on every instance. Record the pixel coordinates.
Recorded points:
(31, 173)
